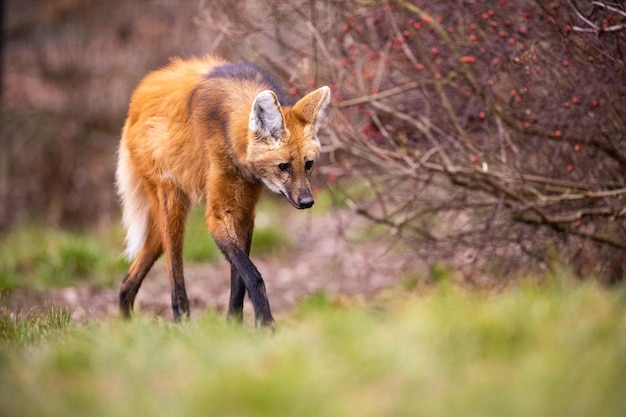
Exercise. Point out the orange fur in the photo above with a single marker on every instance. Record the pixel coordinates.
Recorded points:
(203, 129)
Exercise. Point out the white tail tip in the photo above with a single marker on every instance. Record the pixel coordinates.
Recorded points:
(135, 206)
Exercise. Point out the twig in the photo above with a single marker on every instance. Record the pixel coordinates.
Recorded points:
(611, 8)
(582, 17)
(595, 28)
(613, 28)
(577, 232)
(378, 96)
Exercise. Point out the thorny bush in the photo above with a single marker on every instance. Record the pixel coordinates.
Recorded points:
(489, 133)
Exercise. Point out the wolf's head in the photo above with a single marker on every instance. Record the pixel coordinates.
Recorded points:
(283, 144)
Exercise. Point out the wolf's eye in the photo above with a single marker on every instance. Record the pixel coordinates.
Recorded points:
(308, 165)
(284, 166)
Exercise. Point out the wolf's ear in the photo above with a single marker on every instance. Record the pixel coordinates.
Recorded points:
(312, 106)
(266, 116)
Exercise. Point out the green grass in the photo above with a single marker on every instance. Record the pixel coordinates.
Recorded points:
(270, 238)
(18, 330)
(36, 257)
(540, 350)
(199, 245)
(551, 349)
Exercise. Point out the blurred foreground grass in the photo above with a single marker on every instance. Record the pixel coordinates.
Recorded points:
(543, 350)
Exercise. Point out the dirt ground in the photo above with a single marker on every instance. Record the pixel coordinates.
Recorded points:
(323, 258)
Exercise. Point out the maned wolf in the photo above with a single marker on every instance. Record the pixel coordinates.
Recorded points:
(205, 129)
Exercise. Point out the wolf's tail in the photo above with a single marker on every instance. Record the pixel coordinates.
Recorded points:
(135, 202)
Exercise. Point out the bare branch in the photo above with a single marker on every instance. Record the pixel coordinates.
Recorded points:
(378, 96)
(582, 17)
(608, 7)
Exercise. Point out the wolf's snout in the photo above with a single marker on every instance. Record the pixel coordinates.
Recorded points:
(306, 202)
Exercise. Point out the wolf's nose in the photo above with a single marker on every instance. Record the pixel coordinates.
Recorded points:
(306, 202)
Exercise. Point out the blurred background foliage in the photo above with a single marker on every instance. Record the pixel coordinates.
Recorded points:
(70, 67)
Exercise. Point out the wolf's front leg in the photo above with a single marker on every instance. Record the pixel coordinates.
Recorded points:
(232, 231)
(252, 280)
(237, 294)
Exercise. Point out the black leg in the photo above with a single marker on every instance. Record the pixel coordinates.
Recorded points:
(180, 302)
(174, 209)
(252, 280)
(140, 267)
(237, 294)
(237, 284)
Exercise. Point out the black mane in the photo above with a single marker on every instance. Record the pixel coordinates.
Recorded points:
(252, 72)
